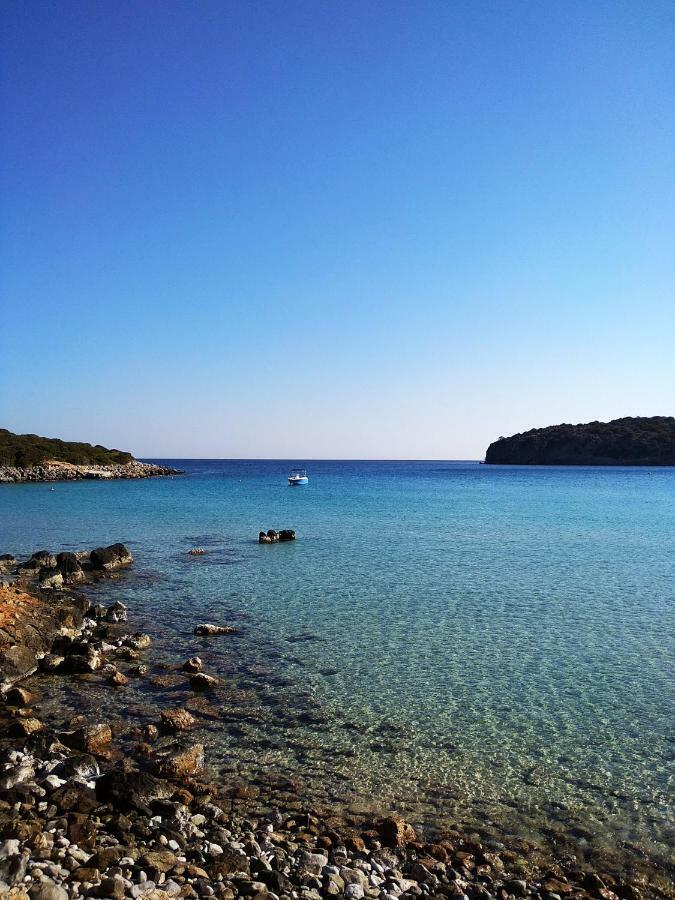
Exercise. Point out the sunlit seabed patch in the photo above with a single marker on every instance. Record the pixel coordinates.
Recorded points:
(463, 647)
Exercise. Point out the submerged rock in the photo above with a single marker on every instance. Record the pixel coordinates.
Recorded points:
(182, 762)
(200, 681)
(209, 629)
(193, 665)
(177, 719)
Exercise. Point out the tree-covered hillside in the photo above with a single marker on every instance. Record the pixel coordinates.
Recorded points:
(24, 450)
(632, 441)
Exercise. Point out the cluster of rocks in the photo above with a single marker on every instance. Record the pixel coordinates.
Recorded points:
(274, 537)
(62, 471)
(54, 570)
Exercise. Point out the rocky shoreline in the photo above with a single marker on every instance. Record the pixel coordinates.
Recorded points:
(117, 808)
(62, 471)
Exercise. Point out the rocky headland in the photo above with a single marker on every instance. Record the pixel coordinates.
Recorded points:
(115, 806)
(637, 441)
(28, 457)
(61, 471)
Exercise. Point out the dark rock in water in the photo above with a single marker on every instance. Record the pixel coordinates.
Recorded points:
(69, 566)
(639, 441)
(193, 665)
(44, 559)
(200, 681)
(274, 537)
(110, 558)
(117, 612)
(7, 562)
(209, 629)
(50, 578)
(138, 641)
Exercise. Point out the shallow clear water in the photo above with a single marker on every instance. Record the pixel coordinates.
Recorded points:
(464, 642)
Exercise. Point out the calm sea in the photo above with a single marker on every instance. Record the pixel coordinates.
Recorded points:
(490, 645)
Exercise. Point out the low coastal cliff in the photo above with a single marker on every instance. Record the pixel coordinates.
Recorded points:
(61, 471)
(631, 441)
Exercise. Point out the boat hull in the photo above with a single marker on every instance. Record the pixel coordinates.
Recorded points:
(296, 482)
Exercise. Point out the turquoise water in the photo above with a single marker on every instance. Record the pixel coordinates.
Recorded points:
(490, 645)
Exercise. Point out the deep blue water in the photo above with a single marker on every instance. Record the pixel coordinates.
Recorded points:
(488, 643)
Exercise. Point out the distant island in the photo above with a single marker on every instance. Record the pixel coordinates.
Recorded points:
(631, 441)
(28, 457)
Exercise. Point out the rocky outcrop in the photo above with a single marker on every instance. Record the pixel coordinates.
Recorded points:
(110, 558)
(63, 471)
(637, 441)
(274, 537)
(29, 625)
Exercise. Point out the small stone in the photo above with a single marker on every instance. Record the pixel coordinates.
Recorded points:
(160, 860)
(203, 682)
(92, 738)
(193, 665)
(20, 696)
(139, 671)
(138, 641)
(118, 679)
(177, 719)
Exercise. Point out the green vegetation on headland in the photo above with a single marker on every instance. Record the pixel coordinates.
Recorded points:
(26, 450)
(631, 441)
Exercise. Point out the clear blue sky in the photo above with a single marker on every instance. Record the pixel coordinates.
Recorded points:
(335, 229)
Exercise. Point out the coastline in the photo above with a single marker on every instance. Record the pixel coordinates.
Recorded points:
(227, 836)
(54, 470)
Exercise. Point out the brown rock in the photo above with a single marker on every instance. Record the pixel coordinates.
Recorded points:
(92, 738)
(203, 682)
(188, 761)
(117, 679)
(26, 727)
(193, 665)
(160, 860)
(20, 696)
(395, 831)
(177, 719)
